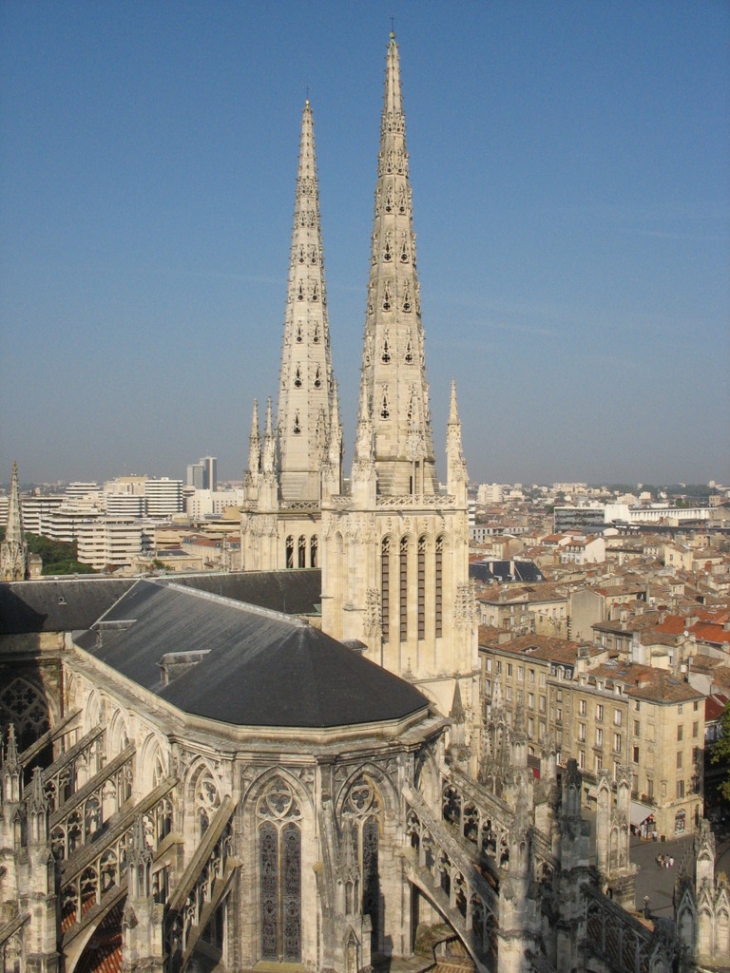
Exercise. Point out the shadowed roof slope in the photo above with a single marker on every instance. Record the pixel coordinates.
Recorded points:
(260, 668)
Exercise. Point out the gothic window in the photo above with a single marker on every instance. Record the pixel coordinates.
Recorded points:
(438, 608)
(313, 255)
(387, 255)
(280, 874)
(302, 561)
(408, 357)
(362, 810)
(385, 586)
(388, 200)
(207, 800)
(386, 297)
(313, 546)
(298, 378)
(290, 551)
(23, 704)
(317, 378)
(403, 589)
(297, 425)
(402, 200)
(422, 587)
(315, 291)
(301, 253)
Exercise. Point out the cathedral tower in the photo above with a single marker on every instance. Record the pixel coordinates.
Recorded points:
(14, 550)
(395, 565)
(300, 456)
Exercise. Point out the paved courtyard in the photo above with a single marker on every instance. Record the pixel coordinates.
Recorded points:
(658, 883)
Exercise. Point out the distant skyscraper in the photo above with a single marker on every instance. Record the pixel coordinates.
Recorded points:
(203, 475)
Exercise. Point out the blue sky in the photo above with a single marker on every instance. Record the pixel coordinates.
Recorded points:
(570, 165)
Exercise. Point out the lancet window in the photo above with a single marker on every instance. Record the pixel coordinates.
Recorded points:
(403, 584)
(362, 813)
(421, 570)
(385, 586)
(438, 579)
(280, 874)
(290, 551)
(313, 550)
(302, 559)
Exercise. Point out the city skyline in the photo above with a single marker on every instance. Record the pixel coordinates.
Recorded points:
(569, 170)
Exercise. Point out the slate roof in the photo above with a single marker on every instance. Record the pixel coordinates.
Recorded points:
(262, 668)
(74, 603)
(292, 592)
(57, 606)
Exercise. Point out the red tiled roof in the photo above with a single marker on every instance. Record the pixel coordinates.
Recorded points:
(714, 706)
(103, 953)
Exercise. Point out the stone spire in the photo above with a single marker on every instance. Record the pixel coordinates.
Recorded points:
(14, 550)
(393, 368)
(305, 386)
(457, 476)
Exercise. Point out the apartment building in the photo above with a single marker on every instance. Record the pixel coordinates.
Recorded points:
(605, 714)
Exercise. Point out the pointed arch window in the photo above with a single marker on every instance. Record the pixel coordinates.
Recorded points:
(290, 551)
(387, 253)
(362, 813)
(385, 587)
(299, 337)
(300, 297)
(386, 297)
(313, 550)
(301, 253)
(421, 571)
(207, 800)
(403, 587)
(302, 558)
(402, 200)
(298, 378)
(388, 200)
(315, 334)
(408, 357)
(438, 584)
(280, 874)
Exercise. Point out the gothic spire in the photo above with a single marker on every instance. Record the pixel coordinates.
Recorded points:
(393, 370)
(305, 383)
(268, 454)
(14, 550)
(254, 442)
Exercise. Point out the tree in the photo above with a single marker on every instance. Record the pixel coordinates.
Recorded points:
(721, 751)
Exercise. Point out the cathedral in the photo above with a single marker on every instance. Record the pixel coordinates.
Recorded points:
(287, 768)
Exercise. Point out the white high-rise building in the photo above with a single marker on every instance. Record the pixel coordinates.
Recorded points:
(164, 497)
